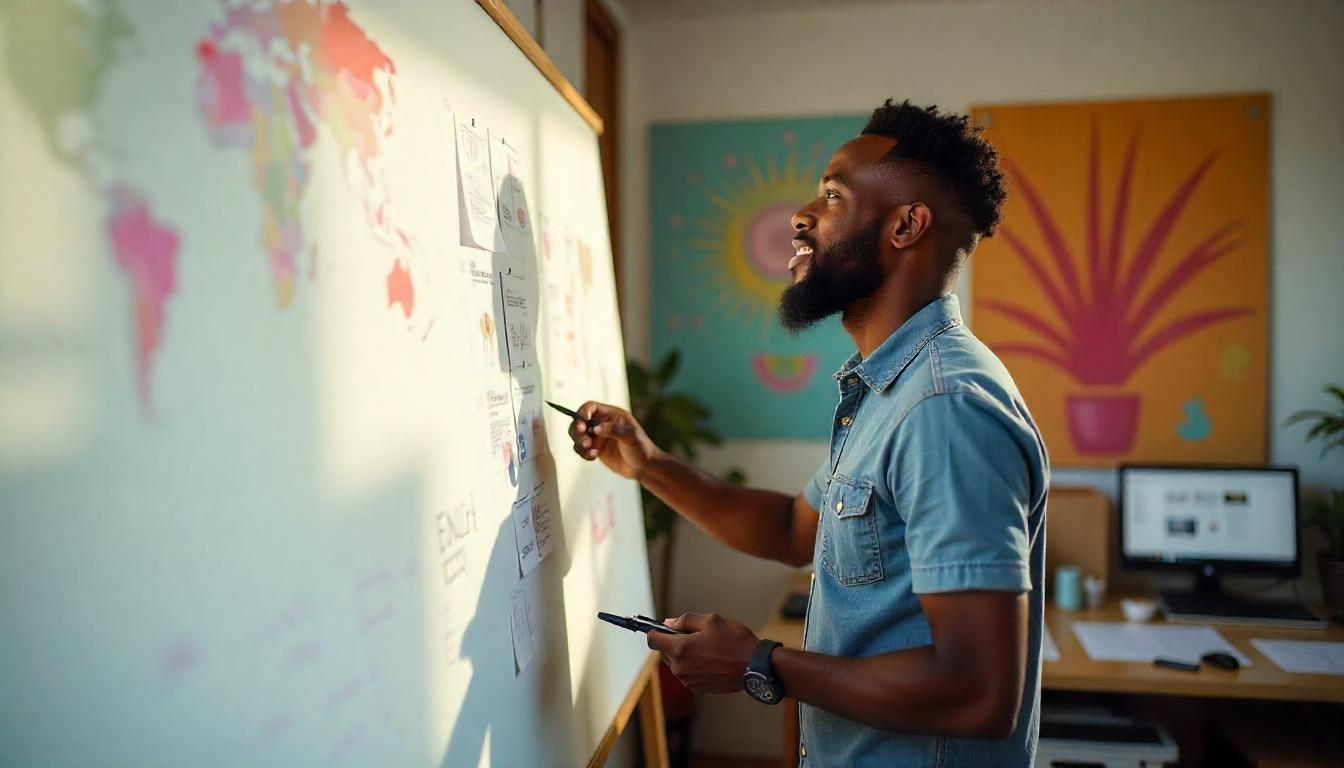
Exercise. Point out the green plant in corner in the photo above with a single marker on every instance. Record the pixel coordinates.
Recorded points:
(1327, 426)
(1325, 512)
(679, 424)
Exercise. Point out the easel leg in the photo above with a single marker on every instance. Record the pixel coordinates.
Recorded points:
(651, 725)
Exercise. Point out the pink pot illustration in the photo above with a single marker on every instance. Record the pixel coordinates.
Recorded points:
(1103, 424)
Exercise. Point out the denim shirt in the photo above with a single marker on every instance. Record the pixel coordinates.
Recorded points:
(936, 482)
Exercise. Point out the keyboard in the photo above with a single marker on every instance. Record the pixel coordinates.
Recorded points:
(1232, 610)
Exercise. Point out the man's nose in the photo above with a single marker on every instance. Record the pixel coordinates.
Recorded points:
(802, 220)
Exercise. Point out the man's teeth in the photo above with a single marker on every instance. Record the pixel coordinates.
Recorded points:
(804, 251)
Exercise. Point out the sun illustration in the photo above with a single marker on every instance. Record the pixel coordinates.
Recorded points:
(740, 251)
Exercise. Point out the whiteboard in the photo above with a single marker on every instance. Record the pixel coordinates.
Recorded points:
(251, 508)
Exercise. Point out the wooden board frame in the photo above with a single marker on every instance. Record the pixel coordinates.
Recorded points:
(520, 37)
(646, 693)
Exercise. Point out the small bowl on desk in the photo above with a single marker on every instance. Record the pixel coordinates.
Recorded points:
(1138, 610)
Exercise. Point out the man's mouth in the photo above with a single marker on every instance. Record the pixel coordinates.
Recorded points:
(802, 251)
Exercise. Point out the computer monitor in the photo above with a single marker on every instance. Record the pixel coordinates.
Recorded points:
(1212, 520)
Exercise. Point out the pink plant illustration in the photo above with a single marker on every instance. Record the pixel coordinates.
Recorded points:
(1103, 327)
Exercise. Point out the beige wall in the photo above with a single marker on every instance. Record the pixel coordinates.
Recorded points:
(792, 61)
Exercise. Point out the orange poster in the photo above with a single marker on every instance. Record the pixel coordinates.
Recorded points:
(1127, 289)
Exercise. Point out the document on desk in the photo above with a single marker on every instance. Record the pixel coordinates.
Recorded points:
(1049, 651)
(1123, 641)
(1308, 657)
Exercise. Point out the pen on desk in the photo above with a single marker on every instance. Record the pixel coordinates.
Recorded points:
(1184, 666)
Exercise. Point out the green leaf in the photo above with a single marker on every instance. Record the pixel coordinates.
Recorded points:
(668, 368)
(638, 376)
(1302, 416)
(1337, 391)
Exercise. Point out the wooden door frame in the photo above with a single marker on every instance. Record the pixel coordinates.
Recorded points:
(598, 19)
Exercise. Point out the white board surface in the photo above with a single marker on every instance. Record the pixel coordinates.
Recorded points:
(251, 509)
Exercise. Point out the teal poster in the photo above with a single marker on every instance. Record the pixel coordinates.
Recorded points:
(721, 199)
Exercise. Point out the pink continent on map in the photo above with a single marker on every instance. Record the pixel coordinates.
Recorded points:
(147, 252)
(330, 74)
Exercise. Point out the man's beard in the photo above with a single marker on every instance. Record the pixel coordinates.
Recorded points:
(845, 273)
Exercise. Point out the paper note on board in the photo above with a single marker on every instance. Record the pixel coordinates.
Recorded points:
(479, 224)
(541, 521)
(519, 318)
(482, 314)
(525, 535)
(527, 417)
(498, 405)
(510, 189)
(524, 638)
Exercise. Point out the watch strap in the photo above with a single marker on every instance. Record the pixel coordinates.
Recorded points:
(760, 658)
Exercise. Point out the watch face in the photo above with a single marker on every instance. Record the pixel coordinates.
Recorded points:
(758, 687)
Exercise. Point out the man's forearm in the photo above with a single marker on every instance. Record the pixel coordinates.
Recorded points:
(750, 520)
(910, 691)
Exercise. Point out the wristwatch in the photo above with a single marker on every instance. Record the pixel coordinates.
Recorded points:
(760, 681)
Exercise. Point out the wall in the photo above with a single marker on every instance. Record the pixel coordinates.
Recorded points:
(687, 65)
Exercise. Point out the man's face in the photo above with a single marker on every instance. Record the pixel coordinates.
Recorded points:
(838, 236)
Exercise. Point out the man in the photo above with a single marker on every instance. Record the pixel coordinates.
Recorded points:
(926, 523)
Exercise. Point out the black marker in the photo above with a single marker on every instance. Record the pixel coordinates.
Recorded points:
(1184, 666)
(571, 414)
(639, 624)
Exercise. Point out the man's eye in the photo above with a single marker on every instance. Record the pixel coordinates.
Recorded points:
(831, 193)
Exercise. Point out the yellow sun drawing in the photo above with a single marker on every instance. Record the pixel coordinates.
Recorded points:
(740, 252)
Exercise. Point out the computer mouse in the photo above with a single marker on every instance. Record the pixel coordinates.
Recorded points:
(1221, 660)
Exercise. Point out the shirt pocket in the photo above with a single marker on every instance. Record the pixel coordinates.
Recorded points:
(849, 541)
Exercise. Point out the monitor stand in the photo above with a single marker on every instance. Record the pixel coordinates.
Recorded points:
(1208, 604)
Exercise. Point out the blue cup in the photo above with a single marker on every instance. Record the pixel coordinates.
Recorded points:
(1068, 588)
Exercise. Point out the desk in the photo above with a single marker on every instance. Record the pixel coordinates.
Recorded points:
(1076, 672)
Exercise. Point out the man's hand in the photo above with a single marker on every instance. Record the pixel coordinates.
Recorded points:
(713, 658)
(614, 437)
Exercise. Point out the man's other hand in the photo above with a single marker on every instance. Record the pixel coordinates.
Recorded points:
(713, 658)
(611, 434)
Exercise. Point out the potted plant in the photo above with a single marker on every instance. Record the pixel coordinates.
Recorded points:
(1325, 512)
(677, 423)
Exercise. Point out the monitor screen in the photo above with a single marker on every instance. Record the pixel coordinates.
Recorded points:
(1195, 515)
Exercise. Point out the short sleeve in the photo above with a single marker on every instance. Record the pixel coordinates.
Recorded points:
(815, 491)
(961, 483)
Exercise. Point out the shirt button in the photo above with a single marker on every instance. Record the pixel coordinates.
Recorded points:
(839, 506)
(845, 421)
(852, 380)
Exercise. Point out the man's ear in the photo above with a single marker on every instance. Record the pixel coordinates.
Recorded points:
(909, 223)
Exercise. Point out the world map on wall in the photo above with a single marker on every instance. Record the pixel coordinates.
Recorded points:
(272, 77)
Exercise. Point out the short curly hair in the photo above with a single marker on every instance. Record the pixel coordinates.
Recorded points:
(951, 150)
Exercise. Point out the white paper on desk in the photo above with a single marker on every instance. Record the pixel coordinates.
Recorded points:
(1049, 651)
(1310, 657)
(1124, 641)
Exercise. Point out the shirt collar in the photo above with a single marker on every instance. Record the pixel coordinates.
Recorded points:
(893, 355)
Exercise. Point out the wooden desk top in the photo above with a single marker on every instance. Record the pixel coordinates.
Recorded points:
(1076, 672)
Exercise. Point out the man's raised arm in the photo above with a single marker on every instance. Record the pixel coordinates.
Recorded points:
(755, 521)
